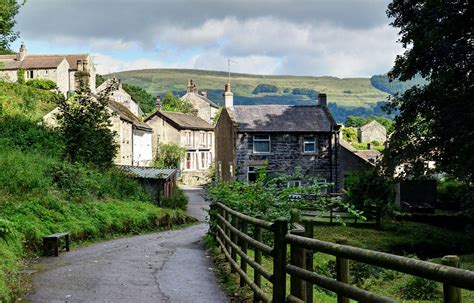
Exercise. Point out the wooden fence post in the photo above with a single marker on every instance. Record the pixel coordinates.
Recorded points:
(257, 279)
(234, 238)
(222, 213)
(451, 294)
(243, 246)
(309, 233)
(342, 272)
(227, 216)
(297, 258)
(279, 260)
(212, 220)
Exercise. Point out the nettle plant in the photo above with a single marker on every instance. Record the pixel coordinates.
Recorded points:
(275, 196)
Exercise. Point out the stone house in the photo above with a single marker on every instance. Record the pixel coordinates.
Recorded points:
(354, 160)
(61, 69)
(190, 132)
(280, 137)
(372, 131)
(119, 95)
(206, 109)
(134, 137)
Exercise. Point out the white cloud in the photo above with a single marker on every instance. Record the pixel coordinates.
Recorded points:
(106, 64)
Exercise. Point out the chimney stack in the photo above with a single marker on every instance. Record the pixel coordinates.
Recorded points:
(191, 86)
(228, 96)
(158, 103)
(322, 98)
(22, 53)
(80, 67)
(85, 65)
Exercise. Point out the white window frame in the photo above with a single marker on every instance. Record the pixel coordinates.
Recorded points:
(188, 138)
(307, 140)
(202, 138)
(30, 74)
(254, 170)
(292, 183)
(322, 182)
(269, 140)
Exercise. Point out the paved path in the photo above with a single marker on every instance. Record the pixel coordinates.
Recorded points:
(169, 266)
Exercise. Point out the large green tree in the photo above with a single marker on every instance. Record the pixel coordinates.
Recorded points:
(8, 10)
(435, 120)
(84, 121)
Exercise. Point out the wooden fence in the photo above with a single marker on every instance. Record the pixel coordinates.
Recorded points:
(231, 230)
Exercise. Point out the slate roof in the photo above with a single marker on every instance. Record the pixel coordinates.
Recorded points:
(41, 61)
(125, 114)
(31, 62)
(183, 121)
(281, 118)
(148, 172)
(195, 95)
(368, 125)
(369, 156)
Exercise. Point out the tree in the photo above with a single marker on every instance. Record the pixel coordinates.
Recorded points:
(8, 10)
(172, 103)
(99, 79)
(436, 120)
(169, 155)
(142, 97)
(84, 122)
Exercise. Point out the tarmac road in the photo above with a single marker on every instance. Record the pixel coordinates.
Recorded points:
(169, 266)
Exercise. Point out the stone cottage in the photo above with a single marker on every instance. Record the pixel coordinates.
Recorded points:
(372, 131)
(119, 95)
(280, 137)
(133, 136)
(190, 132)
(61, 69)
(206, 109)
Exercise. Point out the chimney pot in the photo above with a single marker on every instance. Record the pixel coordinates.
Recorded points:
(228, 96)
(322, 98)
(158, 103)
(22, 53)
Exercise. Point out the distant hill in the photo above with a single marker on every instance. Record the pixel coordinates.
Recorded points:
(394, 87)
(346, 92)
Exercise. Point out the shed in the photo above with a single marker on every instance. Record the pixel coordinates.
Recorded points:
(158, 182)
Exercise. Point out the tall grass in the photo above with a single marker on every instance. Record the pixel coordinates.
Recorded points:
(41, 194)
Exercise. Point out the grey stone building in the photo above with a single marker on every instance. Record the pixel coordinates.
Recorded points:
(206, 109)
(279, 137)
(372, 131)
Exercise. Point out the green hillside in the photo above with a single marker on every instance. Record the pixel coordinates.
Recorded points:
(346, 92)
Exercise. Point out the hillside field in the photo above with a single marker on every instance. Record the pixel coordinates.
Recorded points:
(346, 92)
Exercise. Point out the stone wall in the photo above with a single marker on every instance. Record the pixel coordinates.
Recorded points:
(286, 154)
(373, 131)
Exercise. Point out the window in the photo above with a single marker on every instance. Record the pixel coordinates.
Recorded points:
(188, 138)
(251, 174)
(203, 160)
(202, 139)
(323, 184)
(309, 145)
(188, 161)
(294, 183)
(209, 139)
(261, 143)
(30, 74)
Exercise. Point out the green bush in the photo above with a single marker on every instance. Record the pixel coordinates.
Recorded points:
(416, 288)
(177, 201)
(169, 155)
(454, 195)
(44, 84)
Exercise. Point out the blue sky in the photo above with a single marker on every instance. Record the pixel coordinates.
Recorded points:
(343, 38)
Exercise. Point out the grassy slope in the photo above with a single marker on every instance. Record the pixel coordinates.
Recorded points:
(158, 81)
(41, 194)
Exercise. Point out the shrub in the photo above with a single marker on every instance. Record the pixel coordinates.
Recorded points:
(169, 155)
(454, 195)
(265, 88)
(44, 84)
(177, 201)
(350, 134)
(416, 288)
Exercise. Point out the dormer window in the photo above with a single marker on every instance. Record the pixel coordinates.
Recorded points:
(261, 144)
(309, 145)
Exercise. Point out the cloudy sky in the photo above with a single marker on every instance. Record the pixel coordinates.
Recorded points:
(343, 38)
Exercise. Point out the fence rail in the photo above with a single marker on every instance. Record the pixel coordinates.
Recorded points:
(231, 230)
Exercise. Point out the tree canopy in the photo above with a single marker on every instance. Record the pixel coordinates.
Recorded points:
(435, 120)
(146, 101)
(84, 122)
(8, 10)
(171, 103)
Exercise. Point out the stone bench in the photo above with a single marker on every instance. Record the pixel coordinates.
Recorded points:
(51, 244)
